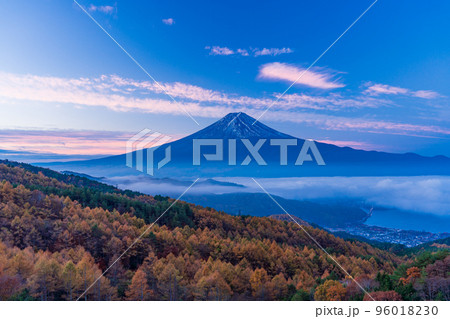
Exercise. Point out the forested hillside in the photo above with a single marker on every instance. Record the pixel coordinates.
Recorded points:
(59, 232)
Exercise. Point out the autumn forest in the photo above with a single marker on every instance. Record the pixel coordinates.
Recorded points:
(59, 233)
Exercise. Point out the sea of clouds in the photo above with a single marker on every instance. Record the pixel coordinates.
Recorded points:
(422, 194)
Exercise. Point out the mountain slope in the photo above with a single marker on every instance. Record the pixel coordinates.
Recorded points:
(45, 237)
(340, 161)
(259, 204)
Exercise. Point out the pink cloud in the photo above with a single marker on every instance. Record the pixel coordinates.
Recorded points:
(353, 144)
(426, 94)
(64, 142)
(128, 95)
(67, 142)
(285, 72)
(385, 89)
(377, 89)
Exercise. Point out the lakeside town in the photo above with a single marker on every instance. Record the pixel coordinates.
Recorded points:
(409, 238)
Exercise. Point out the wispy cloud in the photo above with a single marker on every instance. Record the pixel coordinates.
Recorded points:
(377, 89)
(329, 102)
(216, 50)
(358, 124)
(168, 21)
(102, 9)
(316, 78)
(82, 91)
(272, 51)
(128, 95)
(242, 52)
(353, 144)
(69, 142)
(255, 52)
(426, 94)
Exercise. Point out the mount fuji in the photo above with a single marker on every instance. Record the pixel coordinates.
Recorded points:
(237, 127)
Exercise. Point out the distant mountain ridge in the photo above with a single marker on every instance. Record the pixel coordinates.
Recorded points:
(340, 161)
(329, 214)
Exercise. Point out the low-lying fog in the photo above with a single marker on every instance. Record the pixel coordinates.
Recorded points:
(424, 194)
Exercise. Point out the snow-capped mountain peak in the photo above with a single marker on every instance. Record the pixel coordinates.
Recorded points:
(238, 125)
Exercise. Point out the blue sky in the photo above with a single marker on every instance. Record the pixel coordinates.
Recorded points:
(66, 87)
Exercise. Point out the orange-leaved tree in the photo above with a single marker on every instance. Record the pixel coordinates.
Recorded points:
(330, 290)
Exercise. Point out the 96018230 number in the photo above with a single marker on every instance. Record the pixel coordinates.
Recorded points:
(406, 310)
